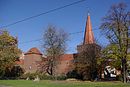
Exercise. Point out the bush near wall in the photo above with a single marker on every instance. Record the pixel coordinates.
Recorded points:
(32, 76)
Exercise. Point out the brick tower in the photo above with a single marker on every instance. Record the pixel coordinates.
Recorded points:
(88, 37)
(89, 52)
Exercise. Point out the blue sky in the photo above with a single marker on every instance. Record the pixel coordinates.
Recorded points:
(71, 19)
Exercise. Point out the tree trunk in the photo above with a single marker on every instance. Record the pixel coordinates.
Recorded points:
(124, 70)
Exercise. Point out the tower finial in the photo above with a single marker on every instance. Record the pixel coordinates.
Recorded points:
(88, 12)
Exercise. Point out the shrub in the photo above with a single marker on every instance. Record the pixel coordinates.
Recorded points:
(73, 74)
(119, 78)
(32, 76)
(46, 77)
(28, 75)
(62, 77)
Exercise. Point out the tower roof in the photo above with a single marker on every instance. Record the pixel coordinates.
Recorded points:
(88, 36)
(34, 51)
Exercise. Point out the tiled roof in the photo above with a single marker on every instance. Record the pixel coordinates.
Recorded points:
(33, 51)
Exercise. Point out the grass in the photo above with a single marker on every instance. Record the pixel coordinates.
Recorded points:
(45, 83)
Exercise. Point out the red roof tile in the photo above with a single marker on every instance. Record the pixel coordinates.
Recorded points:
(33, 51)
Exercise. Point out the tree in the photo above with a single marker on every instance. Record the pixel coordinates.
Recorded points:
(110, 56)
(116, 26)
(54, 46)
(86, 61)
(9, 52)
(112, 52)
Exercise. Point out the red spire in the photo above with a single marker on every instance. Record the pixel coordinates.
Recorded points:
(88, 36)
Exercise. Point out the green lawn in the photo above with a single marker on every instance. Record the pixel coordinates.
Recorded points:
(44, 83)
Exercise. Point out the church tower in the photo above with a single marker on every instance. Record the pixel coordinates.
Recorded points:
(88, 37)
(88, 52)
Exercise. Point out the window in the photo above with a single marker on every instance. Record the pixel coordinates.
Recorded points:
(30, 67)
